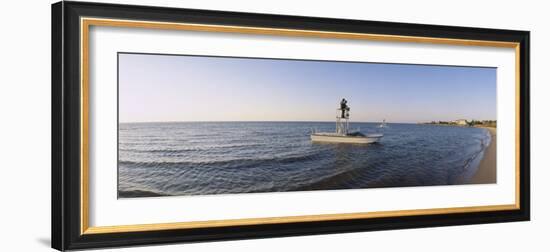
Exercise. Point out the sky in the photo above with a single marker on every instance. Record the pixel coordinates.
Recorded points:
(162, 88)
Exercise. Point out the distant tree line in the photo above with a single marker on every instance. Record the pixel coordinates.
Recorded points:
(485, 123)
(471, 123)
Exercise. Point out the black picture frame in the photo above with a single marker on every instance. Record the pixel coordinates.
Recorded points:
(66, 125)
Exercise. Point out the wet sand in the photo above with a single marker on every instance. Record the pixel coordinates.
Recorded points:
(487, 171)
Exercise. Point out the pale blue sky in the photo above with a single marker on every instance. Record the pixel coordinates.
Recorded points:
(155, 88)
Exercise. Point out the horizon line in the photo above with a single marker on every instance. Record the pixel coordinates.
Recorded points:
(295, 121)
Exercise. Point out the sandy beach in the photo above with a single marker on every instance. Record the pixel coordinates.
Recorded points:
(487, 171)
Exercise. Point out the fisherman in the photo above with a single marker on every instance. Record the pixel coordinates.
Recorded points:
(344, 107)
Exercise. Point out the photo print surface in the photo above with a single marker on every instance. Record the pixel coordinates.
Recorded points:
(199, 125)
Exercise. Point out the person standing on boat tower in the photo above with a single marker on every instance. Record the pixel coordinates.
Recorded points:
(344, 108)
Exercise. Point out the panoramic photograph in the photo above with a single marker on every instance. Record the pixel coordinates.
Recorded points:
(202, 125)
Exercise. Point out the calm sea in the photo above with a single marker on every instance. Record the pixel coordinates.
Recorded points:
(194, 158)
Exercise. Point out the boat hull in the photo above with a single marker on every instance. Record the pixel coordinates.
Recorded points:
(346, 139)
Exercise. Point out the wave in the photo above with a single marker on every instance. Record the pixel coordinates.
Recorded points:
(340, 180)
(188, 149)
(476, 157)
(239, 162)
(139, 193)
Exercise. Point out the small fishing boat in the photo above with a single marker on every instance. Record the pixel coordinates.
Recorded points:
(343, 134)
(383, 124)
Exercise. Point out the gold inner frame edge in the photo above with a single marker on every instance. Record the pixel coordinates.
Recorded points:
(85, 24)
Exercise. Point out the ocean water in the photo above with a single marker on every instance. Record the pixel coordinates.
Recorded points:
(198, 158)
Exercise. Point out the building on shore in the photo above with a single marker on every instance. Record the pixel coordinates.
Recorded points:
(461, 122)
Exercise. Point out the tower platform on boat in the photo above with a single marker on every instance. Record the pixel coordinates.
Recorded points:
(343, 134)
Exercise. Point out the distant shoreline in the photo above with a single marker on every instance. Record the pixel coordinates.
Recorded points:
(465, 123)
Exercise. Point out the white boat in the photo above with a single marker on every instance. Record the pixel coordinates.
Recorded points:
(338, 138)
(343, 134)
